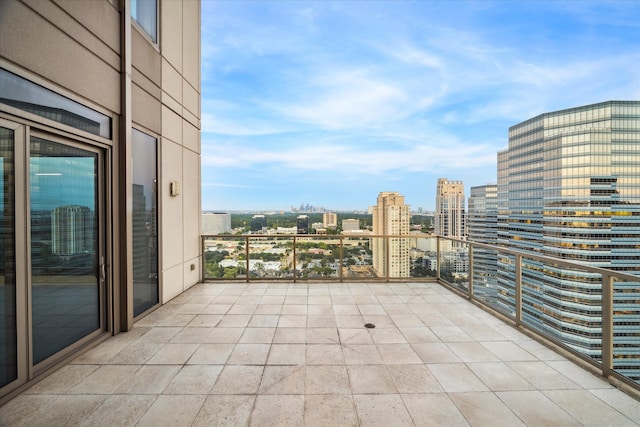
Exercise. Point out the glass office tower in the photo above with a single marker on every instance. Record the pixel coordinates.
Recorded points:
(569, 187)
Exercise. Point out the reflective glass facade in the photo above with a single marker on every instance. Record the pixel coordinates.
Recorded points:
(482, 221)
(569, 187)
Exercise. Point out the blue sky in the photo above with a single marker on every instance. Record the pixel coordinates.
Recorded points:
(329, 103)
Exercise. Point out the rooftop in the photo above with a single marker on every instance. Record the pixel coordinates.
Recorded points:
(297, 354)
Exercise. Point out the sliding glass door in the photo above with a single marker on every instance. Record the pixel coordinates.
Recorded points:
(52, 234)
(8, 331)
(65, 255)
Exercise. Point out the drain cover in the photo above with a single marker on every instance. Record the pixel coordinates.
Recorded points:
(369, 325)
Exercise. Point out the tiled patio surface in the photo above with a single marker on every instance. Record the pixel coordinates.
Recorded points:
(297, 354)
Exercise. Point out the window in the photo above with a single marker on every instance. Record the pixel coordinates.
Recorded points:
(145, 221)
(145, 13)
(32, 98)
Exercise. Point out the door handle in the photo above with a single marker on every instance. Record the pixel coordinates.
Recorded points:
(103, 270)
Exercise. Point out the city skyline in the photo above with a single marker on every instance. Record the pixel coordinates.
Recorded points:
(333, 102)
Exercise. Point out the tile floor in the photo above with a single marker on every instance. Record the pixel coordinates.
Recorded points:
(231, 354)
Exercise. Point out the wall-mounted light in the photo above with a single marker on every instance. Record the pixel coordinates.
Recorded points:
(174, 188)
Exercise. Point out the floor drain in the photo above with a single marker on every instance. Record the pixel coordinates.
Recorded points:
(369, 325)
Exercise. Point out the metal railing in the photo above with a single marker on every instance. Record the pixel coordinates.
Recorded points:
(591, 312)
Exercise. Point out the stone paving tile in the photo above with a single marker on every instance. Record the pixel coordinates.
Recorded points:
(23, 407)
(587, 408)
(211, 354)
(456, 378)
(498, 376)
(257, 335)
(382, 410)
(238, 379)
(65, 410)
(63, 379)
(433, 410)
(172, 410)
(536, 409)
(173, 354)
(119, 410)
(278, 410)
(485, 409)
(149, 379)
(249, 354)
(371, 380)
(414, 379)
(194, 379)
(105, 380)
(221, 411)
(288, 379)
(324, 354)
(327, 380)
(329, 410)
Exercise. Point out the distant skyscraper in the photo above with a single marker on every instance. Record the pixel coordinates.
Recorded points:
(303, 224)
(569, 187)
(391, 217)
(449, 217)
(72, 230)
(329, 220)
(482, 223)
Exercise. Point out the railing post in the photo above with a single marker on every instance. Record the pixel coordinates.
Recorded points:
(341, 257)
(438, 258)
(518, 295)
(295, 272)
(203, 271)
(246, 256)
(387, 258)
(607, 324)
(470, 272)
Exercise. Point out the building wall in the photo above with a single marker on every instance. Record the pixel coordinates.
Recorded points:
(79, 50)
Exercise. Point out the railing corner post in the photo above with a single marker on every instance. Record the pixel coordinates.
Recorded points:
(518, 290)
(470, 270)
(607, 324)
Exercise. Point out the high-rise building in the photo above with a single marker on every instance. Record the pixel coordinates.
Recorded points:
(302, 223)
(449, 217)
(99, 125)
(217, 223)
(72, 230)
(569, 187)
(391, 217)
(482, 223)
(350, 225)
(329, 220)
(258, 223)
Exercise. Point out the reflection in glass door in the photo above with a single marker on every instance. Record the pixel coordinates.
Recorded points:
(8, 331)
(65, 281)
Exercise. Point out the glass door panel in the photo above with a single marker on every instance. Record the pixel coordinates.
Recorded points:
(8, 326)
(65, 280)
(145, 222)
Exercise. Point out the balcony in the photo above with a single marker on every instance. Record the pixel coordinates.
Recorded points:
(268, 351)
